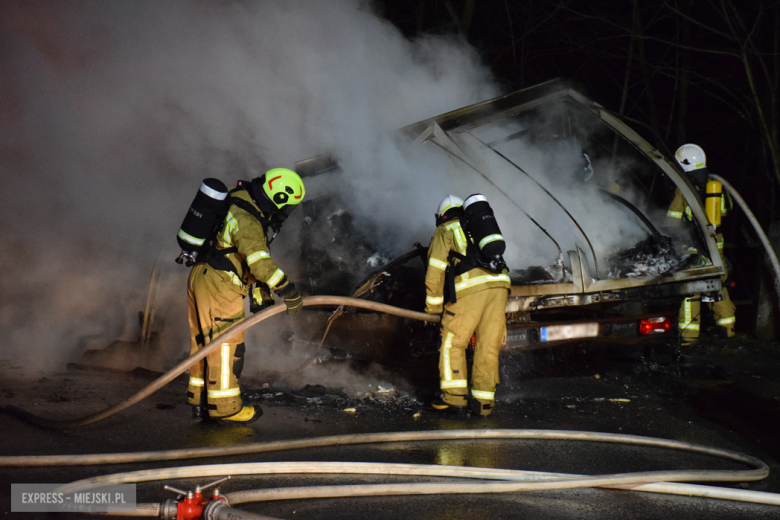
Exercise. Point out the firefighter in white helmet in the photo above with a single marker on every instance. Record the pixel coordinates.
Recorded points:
(693, 161)
(480, 308)
(218, 285)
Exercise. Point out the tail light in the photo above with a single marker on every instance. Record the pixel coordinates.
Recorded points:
(654, 326)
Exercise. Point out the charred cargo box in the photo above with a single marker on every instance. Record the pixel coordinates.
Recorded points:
(581, 199)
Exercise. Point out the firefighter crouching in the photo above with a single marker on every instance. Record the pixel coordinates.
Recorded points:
(475, 303)
(218, 285)
(692, 159)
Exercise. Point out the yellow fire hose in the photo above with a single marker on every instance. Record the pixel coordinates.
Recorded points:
(307, 301)
(205, 351)
(508, 480)
(511, 480)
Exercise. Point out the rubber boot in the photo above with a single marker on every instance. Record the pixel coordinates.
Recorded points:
(246, 415)
(199, 410)
(724, 332)
(478, 408)
(439, 405)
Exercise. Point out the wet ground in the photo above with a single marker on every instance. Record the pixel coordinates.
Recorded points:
(724, 394)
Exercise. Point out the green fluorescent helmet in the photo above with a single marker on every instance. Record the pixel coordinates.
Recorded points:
(283, 187)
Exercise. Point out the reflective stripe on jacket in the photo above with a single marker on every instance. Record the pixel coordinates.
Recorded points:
(252, 260)
(679, 206)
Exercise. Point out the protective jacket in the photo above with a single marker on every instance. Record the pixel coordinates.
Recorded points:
(680, 207)
(689, 322)
(480, 308)
(244, 235)
(216, 289)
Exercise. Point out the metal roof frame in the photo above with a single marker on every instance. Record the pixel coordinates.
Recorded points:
(533, 97)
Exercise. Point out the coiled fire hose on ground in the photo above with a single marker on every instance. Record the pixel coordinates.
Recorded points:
(205, 351)
(511, 480)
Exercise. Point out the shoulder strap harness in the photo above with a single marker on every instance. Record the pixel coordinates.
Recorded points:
(217, 258)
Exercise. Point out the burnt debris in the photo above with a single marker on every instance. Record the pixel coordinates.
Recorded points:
(654, 256)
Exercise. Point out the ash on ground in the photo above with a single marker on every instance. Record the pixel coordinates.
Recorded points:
(375, 397)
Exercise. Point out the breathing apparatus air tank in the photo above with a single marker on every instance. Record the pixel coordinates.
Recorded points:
(483, 227)
(205, 214)
(713, 202)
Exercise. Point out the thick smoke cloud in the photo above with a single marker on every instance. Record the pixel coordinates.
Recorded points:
(112, 113)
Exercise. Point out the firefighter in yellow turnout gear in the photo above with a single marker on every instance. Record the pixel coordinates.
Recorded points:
(693, 160)
(480, 307)
(217, 287)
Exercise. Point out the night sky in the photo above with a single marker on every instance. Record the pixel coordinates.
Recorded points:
(683, 75)
(676, 71)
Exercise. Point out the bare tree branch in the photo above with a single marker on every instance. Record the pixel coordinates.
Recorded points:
(660, 40)
(694, 20)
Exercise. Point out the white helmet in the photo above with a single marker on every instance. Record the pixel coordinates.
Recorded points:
(449, 202)
(691, 157)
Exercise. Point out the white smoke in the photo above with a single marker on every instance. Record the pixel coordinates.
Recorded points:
(113, 112)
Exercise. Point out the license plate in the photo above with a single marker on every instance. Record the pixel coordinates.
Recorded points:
(561, 332)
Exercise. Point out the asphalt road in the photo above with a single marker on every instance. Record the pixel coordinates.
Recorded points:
(721, 394)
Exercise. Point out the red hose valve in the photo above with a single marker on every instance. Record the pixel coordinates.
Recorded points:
(190, 504)
(191, 508)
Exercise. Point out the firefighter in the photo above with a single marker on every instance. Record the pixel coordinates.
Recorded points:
(478, 305)
(693, 161)
(217, 287)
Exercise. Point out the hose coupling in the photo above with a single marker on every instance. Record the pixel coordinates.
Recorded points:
(169, 509)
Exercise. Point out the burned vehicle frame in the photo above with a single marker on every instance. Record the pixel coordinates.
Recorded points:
(583, 300)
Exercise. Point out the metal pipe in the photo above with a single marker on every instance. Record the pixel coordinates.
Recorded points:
(147, 510)
(585, 236)
(510, 199)
(219, 510)
(646, 221)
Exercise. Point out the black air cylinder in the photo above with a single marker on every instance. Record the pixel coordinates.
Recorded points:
(205, 213)
(483, 226)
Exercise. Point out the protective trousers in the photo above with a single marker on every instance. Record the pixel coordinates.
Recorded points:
(723, 310)
(482, 313)
(214, 306)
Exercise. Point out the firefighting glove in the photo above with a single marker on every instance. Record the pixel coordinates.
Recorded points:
(292, 298)
(261, 298)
